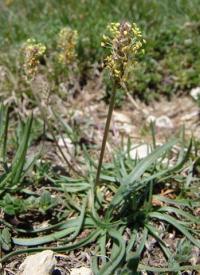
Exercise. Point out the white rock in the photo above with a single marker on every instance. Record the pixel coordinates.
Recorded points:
(42, 263)
(164, 122)
(81, 271)
(140, 151)
(195, 93)
(119, 117)
(67, 147)
(123, 123)
(63, 88)
(78, 115)
(195, 255)
(126, 128)
(65, 141)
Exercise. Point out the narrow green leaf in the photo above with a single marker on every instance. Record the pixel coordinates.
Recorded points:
(89, 239)
(177, 225)
(79, 223)
(131, 244)
(5, 239)
(44, 239)
(110, 267)
(178, 202)
(133, 258)
(141, 167)
(180, 212)
(168, 269)
(154, 232)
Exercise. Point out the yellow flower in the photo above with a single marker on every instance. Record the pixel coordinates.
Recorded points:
(124, 42)
(33, 52)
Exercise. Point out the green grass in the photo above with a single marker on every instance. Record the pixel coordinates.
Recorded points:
(171, 29)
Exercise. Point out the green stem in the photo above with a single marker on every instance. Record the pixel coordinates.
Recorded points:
(106, 131)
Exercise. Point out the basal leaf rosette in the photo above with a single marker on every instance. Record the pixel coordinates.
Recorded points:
(124, 43)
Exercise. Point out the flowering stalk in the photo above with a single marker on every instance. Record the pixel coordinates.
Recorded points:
(124, 43)
(106, 131)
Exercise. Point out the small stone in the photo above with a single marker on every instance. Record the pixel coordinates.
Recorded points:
(160, 122)
(42, 263)
(126, 128)
(164, 122)
(140, 151)
(81, 271)
(195, 259)
(123, 123)
(67, 147)
(63, 88)
(78, 116)
(188, 42)
(62, 142)
(119, 117)
(195, 93)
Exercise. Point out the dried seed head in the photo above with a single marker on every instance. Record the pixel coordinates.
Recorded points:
(67, 42)
(33, 52)
(124, 42)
